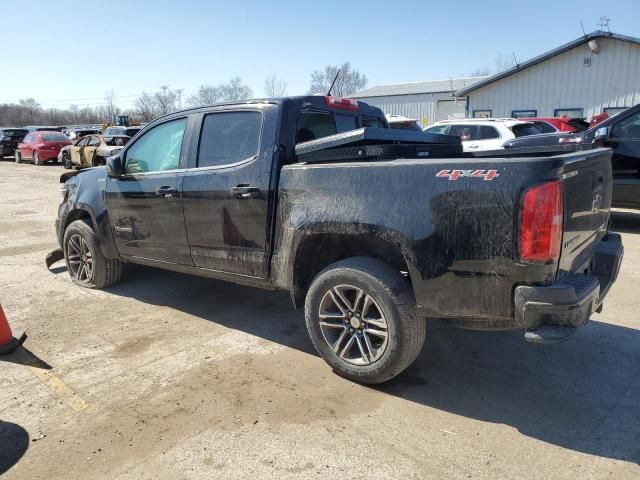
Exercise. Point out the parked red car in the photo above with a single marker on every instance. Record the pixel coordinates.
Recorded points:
(558, 124)
(41, 147)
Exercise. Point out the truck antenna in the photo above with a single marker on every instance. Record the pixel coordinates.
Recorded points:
(333, 83)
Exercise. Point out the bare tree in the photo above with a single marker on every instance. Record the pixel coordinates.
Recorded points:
(504, 62)
(166, 100)
(481, 72)
(146, 107)
(207, 94)
(234, 90)
(275, 87)
(30, 105)
(349, 80)
(110, 108)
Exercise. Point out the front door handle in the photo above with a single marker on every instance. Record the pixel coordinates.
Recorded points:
(243, 191)
(166, 192)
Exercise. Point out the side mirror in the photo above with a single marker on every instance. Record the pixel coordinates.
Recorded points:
(601, 137)
(115, 167)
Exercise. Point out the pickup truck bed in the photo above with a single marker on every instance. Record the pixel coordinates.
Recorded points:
(371, 230)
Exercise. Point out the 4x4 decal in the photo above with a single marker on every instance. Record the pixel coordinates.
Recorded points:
(454, 175)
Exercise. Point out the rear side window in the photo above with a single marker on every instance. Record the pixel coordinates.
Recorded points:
(465, 132)
(229, 138)
(94, 141)
(487, 132)
(524, 130)
(314, 125)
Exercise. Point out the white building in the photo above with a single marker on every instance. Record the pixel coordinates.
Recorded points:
(597, 73)
(427, 102)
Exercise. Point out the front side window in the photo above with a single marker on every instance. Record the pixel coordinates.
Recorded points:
(628, 127)
(158, 149)
(83, 142)
(94, 141)
(465, 132)
(229, 137)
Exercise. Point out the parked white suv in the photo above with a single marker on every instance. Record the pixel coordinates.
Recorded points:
(483, 133)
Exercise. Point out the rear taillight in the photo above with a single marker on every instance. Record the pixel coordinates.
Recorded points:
(541, 222)
(342, 103)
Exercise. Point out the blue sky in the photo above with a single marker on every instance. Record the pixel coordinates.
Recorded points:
(72, 52)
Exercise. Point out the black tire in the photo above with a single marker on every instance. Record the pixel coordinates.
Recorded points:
(103, 272)
(391, 295)
(66, 160)
(97, 161)
(17, 157)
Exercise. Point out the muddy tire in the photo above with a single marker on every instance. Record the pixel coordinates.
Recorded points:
(66, 160)
(361, 317)
(86, 264)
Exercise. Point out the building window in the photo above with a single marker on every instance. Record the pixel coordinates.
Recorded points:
(482, 113)
(611, 111)
(524, 113)
(569, 112)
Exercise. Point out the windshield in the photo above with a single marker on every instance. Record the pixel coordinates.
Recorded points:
(17, 133)
(54, 137)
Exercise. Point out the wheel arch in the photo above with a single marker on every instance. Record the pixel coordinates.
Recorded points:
(317, 250)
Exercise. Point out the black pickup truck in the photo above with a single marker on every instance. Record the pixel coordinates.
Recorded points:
(372, 230)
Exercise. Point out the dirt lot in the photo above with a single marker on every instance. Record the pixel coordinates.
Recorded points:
(170, 376)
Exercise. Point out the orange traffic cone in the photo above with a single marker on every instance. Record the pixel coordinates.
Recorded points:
(8, 343)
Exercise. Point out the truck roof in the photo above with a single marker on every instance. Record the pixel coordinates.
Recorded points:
(319, 101)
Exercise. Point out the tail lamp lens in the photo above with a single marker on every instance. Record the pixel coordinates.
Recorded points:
(541, 222)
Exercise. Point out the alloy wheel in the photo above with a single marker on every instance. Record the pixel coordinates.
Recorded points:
(80, 258)
(353, 324)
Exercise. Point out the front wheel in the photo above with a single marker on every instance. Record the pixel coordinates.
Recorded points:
(36, 159)
(18, 157)
(361, 317)
(66, 160)
(86, 264)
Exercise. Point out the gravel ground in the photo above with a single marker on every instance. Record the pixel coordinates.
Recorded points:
(171, 376)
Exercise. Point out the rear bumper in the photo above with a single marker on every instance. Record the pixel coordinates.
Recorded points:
(551, 314)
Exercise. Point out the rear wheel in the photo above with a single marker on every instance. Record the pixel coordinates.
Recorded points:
(36, 159)
(17, 157)
(86, 264)
(97, 161)
(361, 318)
(66, 160)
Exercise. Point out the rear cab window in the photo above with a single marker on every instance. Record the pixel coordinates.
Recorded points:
(315, 123)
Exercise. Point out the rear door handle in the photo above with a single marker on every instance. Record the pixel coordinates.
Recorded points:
(244, 191)
(166, 192)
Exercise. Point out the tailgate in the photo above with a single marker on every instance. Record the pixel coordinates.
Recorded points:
(587, 201)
